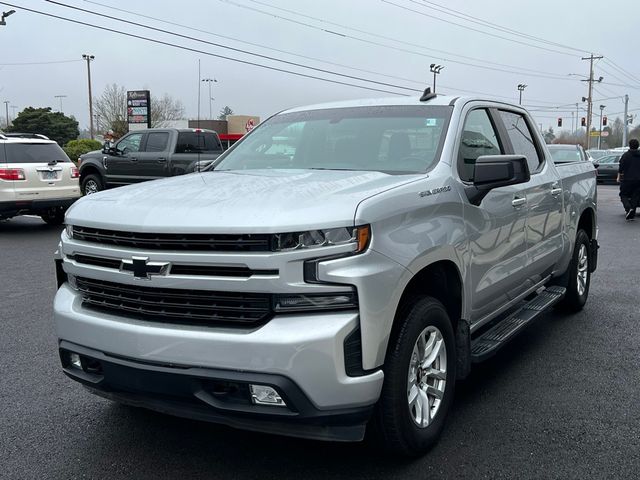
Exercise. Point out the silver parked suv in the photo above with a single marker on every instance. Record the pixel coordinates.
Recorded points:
(337, 270)
(36, 177)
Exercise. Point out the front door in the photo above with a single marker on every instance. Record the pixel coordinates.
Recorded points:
(495, 228)
(122, 165)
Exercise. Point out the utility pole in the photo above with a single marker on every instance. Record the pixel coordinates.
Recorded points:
(60, 97)
(625, 129)
(572, 124)
(209, 81)
(89, 58)
(13, 112)
(591, 58)
(600, 130)
(435, 69)
(521, 88)
(6, 106)
(577, 117)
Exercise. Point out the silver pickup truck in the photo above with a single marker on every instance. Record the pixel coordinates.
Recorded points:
(336, 270)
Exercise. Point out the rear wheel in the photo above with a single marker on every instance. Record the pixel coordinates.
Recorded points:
(420, 375)
(54, 216)
(579, 275)
(91, 184)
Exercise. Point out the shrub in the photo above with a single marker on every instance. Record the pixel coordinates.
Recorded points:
(75, 148)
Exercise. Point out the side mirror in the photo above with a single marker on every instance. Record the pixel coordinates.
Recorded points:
(106, 146)
(494, 171)
(595, 165)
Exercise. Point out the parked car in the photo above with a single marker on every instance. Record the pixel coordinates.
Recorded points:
(24, 135)
(596, 154)
(150, 154)
(607, 167)
(349, 279)
(37, 178)
(567, 153)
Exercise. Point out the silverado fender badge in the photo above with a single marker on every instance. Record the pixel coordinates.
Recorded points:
(435, 191)
(141, 267)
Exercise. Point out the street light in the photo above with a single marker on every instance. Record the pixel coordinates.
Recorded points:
(209, 81)
(6, 106)
(435, 69)
(5, 15)
(89, 58)
(521, 88)
(60, 97)
(602, 107)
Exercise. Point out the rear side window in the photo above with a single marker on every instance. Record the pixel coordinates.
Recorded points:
(198, 142)
(521, 138)
(479, 138)
(34, 153)
(157, 142)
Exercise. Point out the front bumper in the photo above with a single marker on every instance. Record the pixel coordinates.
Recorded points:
(307, 350)
(22, 207)
(213, 395)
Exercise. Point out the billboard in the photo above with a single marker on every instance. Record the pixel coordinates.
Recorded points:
(138, 109)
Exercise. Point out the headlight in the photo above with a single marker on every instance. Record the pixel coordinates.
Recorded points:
(69, 230)
(285, 303)
(359, 236)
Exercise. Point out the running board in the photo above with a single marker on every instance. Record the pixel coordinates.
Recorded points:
(499, 335)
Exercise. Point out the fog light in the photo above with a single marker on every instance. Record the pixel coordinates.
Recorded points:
(74, 360)
(263, 395)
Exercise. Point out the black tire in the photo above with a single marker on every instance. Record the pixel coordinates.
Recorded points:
(54, 217)
(394, 426)
(91, 183)
(574, 300)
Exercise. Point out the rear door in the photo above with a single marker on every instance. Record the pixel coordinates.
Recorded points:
(496, 227)
(48, 172)
(152, 158)
(543, 194)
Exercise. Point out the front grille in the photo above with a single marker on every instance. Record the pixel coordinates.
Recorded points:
(179, 269)
(192, 307)
(176, 241)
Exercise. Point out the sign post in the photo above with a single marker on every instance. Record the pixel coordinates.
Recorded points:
(138, 109)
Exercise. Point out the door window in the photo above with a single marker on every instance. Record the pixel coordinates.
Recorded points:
(479, 138)
(522, 139)
(157, 142)
(130, 143)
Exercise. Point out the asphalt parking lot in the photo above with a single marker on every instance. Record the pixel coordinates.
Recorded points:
(562, 401)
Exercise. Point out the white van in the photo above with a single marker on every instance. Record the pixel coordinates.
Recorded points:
(36, 177)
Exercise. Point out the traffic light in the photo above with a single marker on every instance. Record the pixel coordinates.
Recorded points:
(559, 122)
(583, 122)
(604, 121)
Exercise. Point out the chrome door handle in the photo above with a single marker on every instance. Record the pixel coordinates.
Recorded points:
(162, 159)
(518, 202)
(556, 191)
(134, 159)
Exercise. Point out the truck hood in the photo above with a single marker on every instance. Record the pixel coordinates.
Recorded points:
(255, 201)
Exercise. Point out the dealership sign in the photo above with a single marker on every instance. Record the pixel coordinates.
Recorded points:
(139, 108)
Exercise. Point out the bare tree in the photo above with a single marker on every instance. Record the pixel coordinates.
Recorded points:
(164, 110)
(224, 112)
(111, 110)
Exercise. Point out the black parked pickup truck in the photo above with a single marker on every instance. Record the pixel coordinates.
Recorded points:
(144, 155)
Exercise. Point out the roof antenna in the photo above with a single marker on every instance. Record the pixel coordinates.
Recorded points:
(427, 95)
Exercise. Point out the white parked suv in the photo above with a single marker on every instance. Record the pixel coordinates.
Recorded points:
(36, 177)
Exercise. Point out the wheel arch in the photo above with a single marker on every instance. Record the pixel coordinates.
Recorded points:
(89, 169)
(587, 222)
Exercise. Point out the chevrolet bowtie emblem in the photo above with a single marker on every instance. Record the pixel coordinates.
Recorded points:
(141, 267)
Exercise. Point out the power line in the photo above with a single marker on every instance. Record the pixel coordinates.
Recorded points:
(470, 18)
(476, 30)
(138, 14)
(234, 49)
(195, 50)
(508, 69)
(612, 64)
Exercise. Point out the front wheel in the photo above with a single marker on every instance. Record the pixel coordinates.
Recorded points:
(420, 375)
(91, 184)
(54, 217)
(579, 275)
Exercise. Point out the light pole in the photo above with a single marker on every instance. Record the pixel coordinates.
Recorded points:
(89, 58)
(209, 81)
(60, 97)
(5, 15)
(521, 88)
(6, 106)
(602, 107)
(435, 69)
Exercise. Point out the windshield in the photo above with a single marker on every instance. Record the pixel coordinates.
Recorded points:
(563, 155)
(394, 139)
(609, 159)
(34, 153)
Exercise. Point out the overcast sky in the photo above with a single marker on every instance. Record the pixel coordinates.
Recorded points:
(607, 28)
